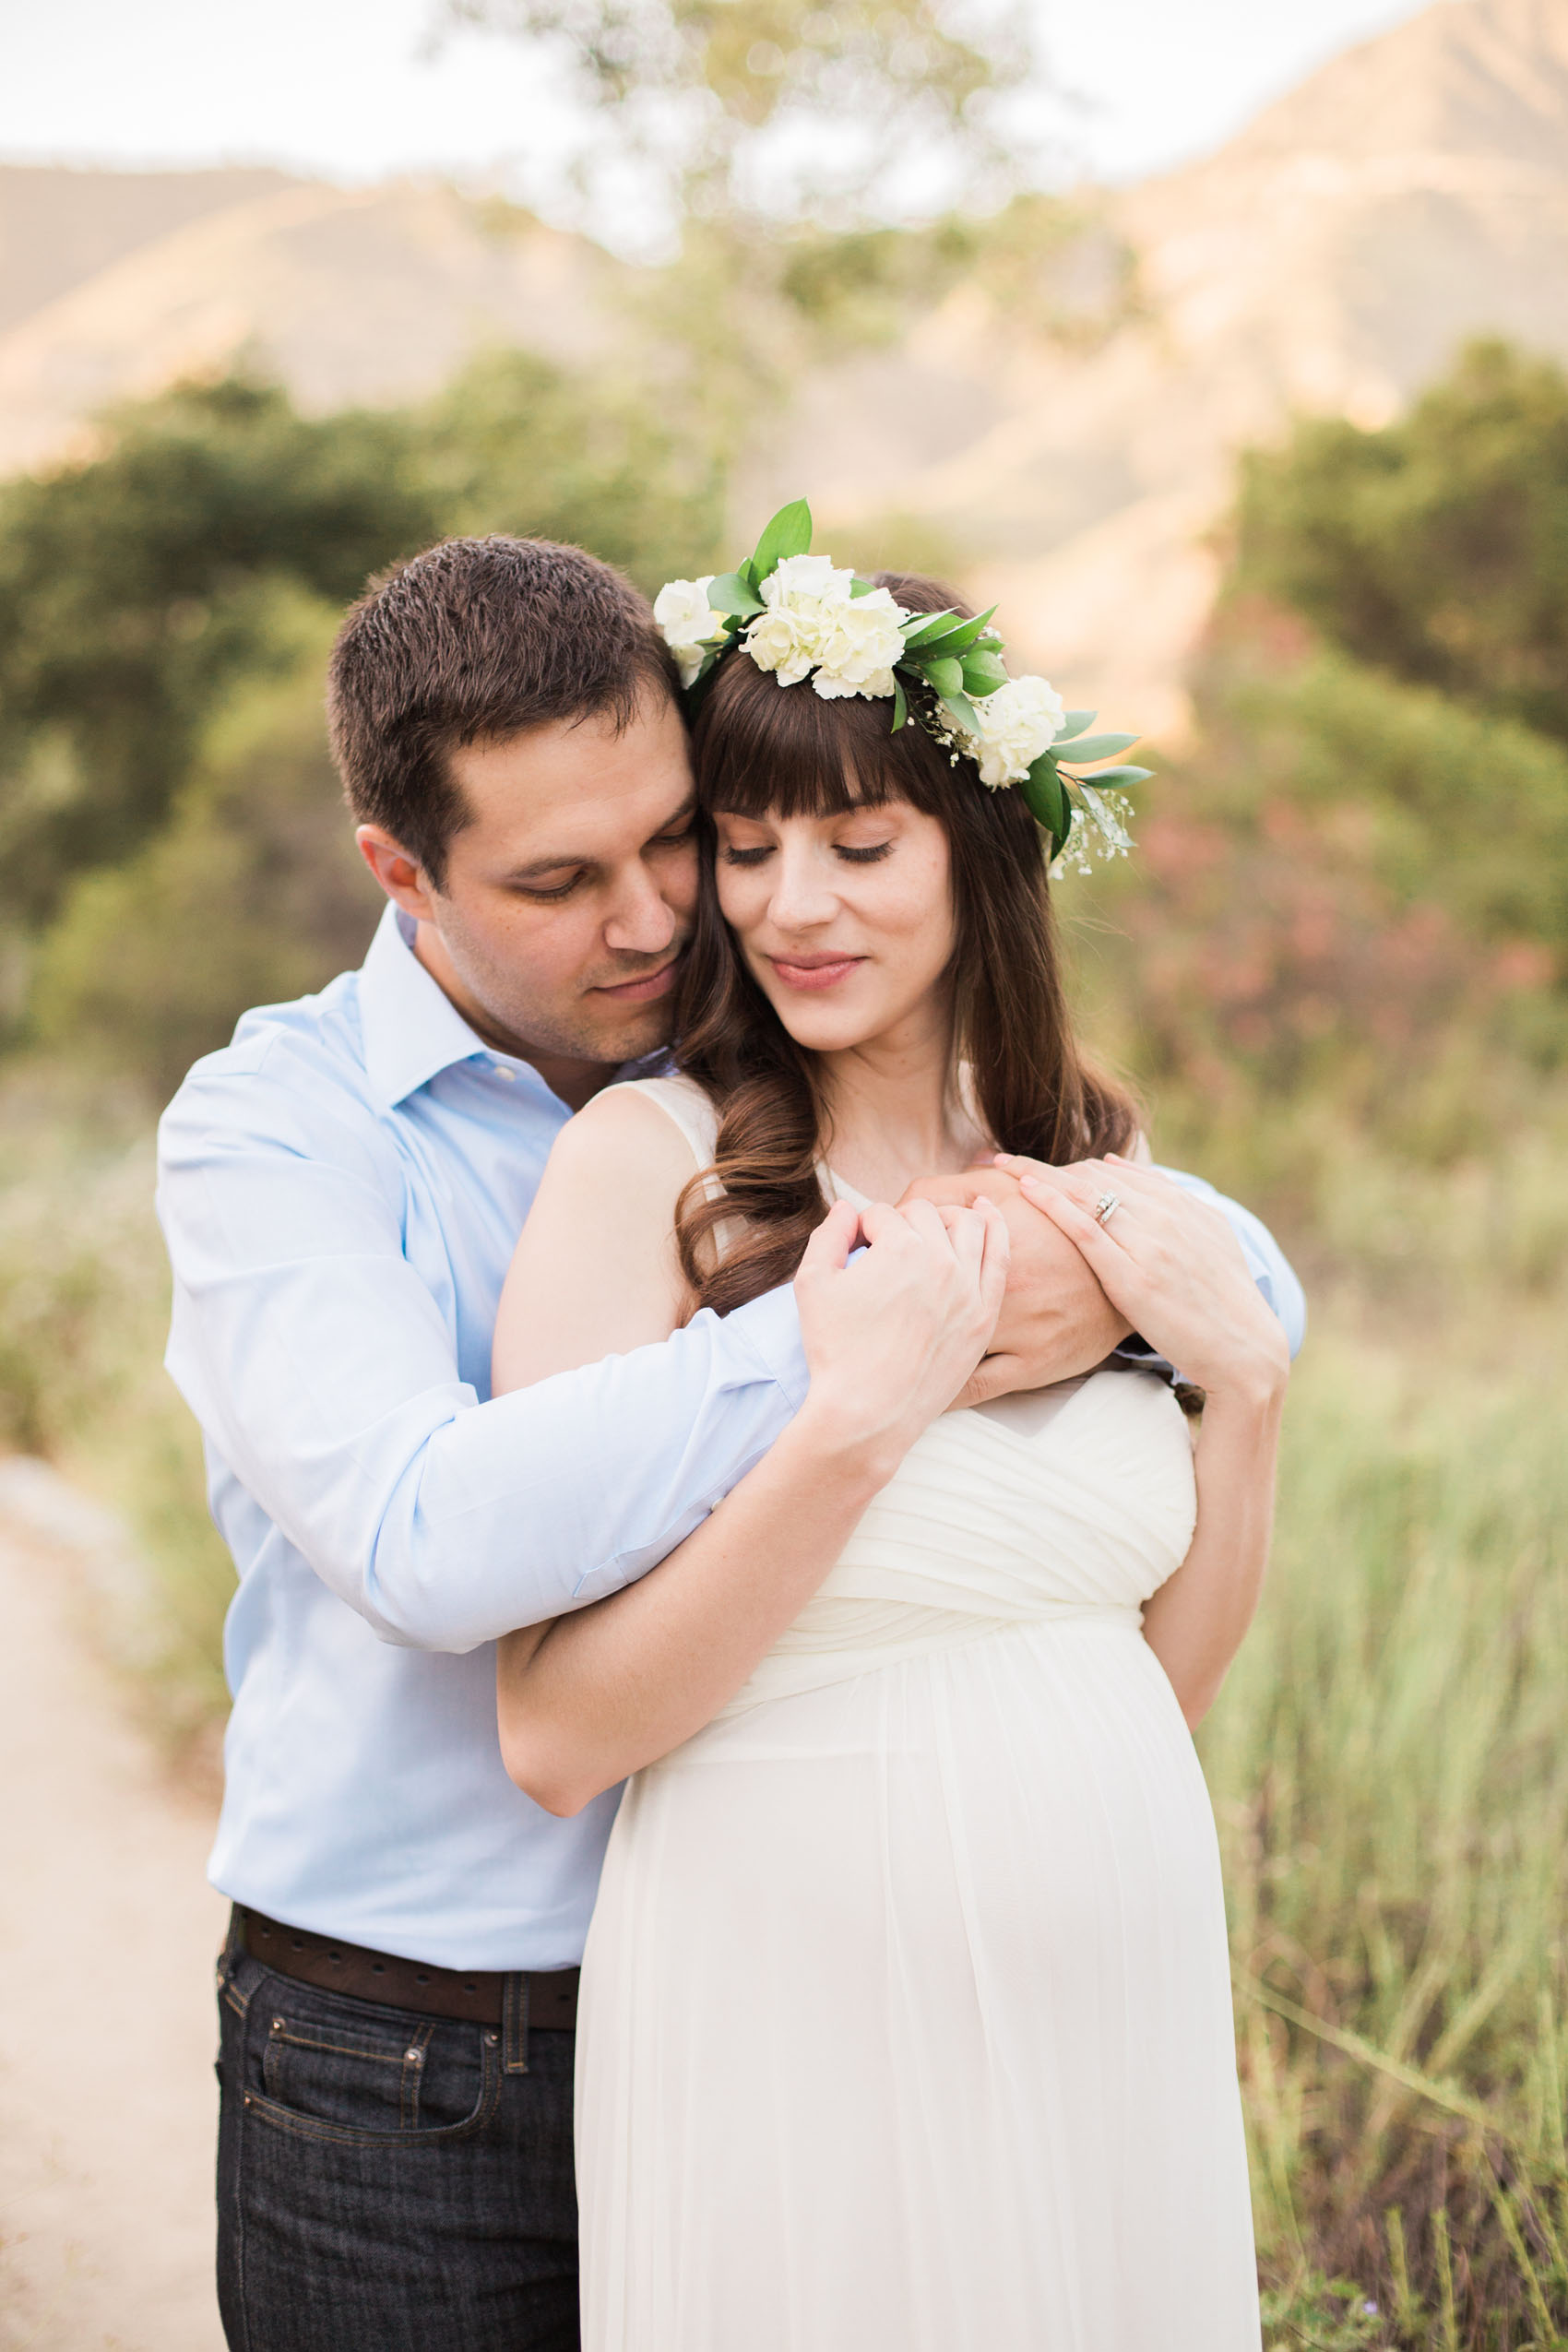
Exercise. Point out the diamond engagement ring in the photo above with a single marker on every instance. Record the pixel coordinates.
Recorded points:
(1105, 1207)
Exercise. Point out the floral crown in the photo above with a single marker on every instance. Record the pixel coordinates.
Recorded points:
(799, 617)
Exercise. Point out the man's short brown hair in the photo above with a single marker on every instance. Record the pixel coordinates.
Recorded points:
(476, 640)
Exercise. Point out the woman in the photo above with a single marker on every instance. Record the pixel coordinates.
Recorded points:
(905, 2015)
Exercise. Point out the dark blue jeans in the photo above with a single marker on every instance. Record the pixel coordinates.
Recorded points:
(389, 2182)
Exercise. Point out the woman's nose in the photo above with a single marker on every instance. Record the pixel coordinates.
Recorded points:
(802, 891)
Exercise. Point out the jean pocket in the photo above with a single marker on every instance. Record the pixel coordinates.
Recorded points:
(336, 2070)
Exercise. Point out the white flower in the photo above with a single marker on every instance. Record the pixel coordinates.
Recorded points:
(684, 613)
(1017, 723)
(861, 640)
(787, 641)
(804, 582)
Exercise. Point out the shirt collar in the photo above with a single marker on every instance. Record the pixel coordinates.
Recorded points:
(410, 1026)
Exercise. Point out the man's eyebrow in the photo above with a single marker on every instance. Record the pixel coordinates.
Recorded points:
(536, 867)
(571, 859)
(681, 815)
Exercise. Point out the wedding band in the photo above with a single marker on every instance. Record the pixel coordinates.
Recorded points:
(1105, 1207)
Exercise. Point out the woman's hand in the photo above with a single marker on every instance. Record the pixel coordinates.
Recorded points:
(1174, 1267)
(1056, 1322)
(892, 1339)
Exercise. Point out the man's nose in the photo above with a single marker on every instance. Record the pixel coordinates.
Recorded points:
(641, 921)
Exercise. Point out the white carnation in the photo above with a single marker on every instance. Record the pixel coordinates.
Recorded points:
(804, 582)
(1017, 723)
(861, 640)
(787, 641)
(688, 622)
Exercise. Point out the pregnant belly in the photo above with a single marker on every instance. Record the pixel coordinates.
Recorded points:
(1010, 1805)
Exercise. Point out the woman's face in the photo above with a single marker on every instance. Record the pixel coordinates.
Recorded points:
(847, 921)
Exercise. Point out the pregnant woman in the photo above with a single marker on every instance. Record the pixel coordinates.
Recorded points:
(905, 2015)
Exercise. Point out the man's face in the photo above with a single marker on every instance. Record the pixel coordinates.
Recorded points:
(569, 895)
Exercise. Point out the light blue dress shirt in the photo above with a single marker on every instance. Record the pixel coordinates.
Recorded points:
(341, 1189)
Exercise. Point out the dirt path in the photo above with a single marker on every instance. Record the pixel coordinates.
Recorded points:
(108, 1931)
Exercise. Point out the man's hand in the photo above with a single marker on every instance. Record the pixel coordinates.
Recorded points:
(892, 1340)
(1055, 1322)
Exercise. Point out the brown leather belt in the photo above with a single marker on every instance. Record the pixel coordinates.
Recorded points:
(549, 1997)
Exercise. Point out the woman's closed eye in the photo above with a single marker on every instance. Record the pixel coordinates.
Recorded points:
(853, 853)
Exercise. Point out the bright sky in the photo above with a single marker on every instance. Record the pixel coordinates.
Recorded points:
(350, 89)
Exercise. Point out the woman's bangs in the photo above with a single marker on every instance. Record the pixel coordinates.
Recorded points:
(770, 750)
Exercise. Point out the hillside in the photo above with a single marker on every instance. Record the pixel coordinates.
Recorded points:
(351, 294)
(1412, 192)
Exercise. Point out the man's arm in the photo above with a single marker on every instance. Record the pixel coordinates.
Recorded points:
(323, 1371)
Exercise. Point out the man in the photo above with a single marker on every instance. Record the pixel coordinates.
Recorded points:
(341, 1189)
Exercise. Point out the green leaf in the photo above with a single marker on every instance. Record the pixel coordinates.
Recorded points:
(953, 636)
(947, 677)
(921, 625)
(900, 705)
(790, 533)
(1119, 777)
(1045, 796)
(983, 673)
(1095, 747)
(861, 587)
(961, 709)
(1074, 723)
(730, 593)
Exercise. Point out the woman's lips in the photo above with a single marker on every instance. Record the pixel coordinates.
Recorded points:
(643, 991)
(814, 972)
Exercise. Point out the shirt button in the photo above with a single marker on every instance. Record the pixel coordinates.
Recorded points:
(510, 1075)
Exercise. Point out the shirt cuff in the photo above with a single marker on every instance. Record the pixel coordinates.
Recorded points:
(770, 1326)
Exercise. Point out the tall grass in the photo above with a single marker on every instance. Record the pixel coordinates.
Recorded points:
(84, 1313)
(1391, 1775)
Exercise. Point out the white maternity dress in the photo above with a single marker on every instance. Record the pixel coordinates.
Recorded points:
(905, 2013)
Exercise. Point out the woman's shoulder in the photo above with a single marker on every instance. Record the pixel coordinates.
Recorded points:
(671, 1100)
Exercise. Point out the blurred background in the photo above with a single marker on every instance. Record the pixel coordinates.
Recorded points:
(1224, 346)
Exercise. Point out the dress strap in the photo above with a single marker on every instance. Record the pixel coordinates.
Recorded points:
(686, 1104)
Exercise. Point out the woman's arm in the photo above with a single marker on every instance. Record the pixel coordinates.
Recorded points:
(594, 1273)
(889, 1342)
(1173, 1266)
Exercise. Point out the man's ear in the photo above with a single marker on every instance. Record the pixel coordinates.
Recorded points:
(401, 876)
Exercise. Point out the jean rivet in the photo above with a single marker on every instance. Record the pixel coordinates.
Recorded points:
(247, 2098)
(491, 2039)
(277, 2023)
(414, 2057)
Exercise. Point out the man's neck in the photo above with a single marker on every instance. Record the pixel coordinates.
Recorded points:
(574, 1080)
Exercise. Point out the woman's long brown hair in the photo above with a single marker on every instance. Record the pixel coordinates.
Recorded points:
(761, 747)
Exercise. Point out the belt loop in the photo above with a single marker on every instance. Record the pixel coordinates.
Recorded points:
(514, 2024)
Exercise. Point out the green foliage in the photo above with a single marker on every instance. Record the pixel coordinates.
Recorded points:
(1052, 268)
(202, 554)
(516, 444)
(1438, 548)
(780, 107)
(137, 587)
(83, 1311)
(252, 893)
